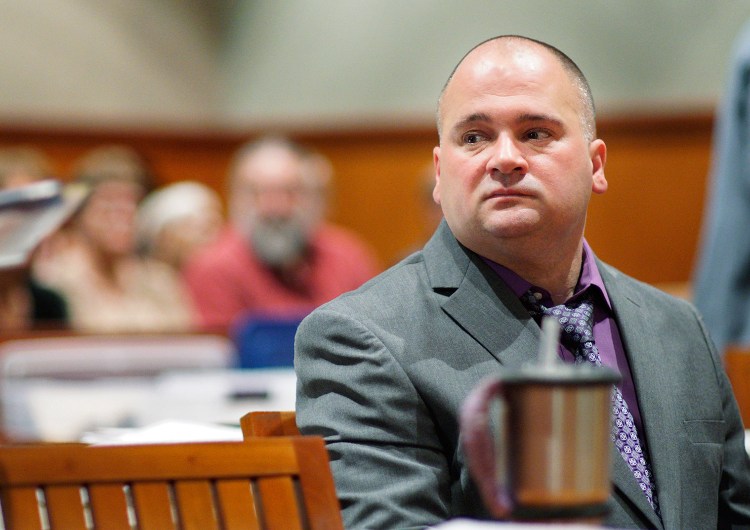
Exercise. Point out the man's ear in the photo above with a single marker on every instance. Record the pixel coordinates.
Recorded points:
(436, 162)
(598, 153)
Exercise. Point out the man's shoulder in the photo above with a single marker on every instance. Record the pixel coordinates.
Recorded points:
(397, 285)
(618, 282)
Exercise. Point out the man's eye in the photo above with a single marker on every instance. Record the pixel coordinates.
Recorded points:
(472, 138)
(537, 135)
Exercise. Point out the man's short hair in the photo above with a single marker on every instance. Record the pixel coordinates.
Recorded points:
(588, 117)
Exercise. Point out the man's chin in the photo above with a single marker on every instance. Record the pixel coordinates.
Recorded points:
(513, 226)
(277, 250)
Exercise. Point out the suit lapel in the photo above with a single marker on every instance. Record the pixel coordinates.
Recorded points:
(644, 347)
(483, 306)
(479, 302)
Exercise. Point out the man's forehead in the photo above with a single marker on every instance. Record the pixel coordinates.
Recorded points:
(271, 160)
(511, 72)
(508, 51)
(494, 60)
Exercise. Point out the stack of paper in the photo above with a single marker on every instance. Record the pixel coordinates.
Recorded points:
(30, 213)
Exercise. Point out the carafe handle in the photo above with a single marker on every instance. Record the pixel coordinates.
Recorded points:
(479, 445)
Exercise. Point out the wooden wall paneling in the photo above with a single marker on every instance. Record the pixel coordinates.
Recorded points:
(174, 155)
(647, 224)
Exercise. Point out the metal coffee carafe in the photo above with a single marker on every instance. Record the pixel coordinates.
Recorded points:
(549, 457)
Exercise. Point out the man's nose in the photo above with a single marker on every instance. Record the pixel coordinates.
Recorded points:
(278, 203)
(507, 157)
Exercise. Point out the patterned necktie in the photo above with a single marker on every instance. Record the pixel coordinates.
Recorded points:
(576, 324)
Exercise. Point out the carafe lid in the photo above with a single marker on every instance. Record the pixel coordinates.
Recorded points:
(561, 373)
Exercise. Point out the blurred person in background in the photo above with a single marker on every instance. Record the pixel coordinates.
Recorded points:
(26, 304)
(721, 280)
(94, 263)
(177, 220)
(277, 255)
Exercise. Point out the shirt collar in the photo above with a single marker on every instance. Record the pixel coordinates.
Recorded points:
(589, 280)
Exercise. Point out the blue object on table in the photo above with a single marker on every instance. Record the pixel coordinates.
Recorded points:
(265, 341)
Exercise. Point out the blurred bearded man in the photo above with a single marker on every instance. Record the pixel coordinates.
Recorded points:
(277, 255)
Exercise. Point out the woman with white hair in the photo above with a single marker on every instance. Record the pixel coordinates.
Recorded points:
(178, 219)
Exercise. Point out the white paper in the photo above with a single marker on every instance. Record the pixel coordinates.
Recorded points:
(165, 432)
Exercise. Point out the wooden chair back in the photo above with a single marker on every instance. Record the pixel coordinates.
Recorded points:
(737, 365)
(259, 484)
(269, 423)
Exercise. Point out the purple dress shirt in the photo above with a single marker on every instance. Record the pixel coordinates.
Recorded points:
(606, 333)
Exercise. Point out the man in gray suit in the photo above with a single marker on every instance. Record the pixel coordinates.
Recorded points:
(383, 371)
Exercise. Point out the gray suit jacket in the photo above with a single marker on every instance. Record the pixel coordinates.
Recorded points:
(382, 372)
